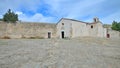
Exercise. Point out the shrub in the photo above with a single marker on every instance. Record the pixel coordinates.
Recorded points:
(116, 26)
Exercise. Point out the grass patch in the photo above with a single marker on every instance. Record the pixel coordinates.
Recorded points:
(37, 37)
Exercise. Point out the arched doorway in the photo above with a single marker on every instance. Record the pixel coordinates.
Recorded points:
(49, 34)
(108, 35)
(62, 34)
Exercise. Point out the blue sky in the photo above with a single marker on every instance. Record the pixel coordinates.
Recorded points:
(53, 10)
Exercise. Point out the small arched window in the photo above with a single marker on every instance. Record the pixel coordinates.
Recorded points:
(91, 26)
(62, 23)
(95, 20)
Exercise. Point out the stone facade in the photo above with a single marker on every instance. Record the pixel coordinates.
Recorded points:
(65, 28)
(73, 28)
(27, 30)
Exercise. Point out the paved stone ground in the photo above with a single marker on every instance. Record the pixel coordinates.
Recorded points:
(60, 53)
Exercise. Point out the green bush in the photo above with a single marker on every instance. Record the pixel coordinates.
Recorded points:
(116, 26)
(10, 16)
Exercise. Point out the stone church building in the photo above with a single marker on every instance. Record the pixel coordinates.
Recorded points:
(73, 28)
(65, 28)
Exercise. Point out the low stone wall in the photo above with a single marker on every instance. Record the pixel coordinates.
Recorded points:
(27, 30)
(113, 33)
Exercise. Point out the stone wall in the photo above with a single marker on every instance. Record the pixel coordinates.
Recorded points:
(26, 30)
(70, 27)
(79, 29)
(113, 33)
(3, 29)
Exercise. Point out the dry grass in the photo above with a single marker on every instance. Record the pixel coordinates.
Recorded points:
(37, 37)
(5, 37)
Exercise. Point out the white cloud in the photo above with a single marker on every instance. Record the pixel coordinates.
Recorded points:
(83, 8)
(40, 18)
(73, 8)
(18, 12)
(77, 9)
(35, 18)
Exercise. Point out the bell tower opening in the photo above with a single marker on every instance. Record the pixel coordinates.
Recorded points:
(96, 19)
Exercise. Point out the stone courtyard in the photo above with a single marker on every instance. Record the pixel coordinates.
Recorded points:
(60, 53)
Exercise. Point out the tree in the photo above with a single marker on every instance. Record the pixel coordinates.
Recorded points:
(116, 26)
(10, 16)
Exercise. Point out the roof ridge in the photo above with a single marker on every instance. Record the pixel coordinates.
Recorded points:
(75, 20)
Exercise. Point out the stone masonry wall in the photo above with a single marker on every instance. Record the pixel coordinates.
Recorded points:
(113, 33)
(27, 30)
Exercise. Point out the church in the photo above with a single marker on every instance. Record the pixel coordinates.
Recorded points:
(73, 28)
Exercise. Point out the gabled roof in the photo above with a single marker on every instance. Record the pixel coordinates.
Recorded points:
(76, 21)
(73, 20)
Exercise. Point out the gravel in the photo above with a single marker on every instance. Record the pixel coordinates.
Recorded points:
(60, 53)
